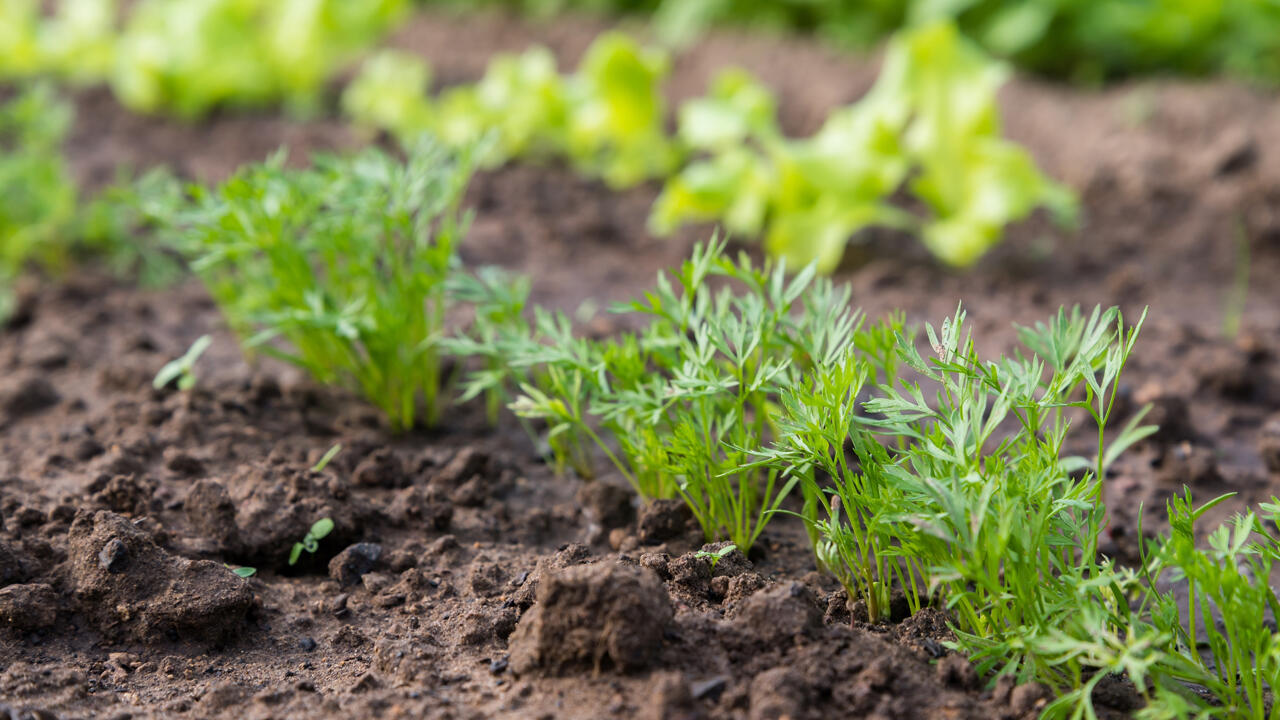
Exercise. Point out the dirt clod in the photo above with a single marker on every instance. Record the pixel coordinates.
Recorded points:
(778, 694)
(27, 608)
(211, 512)
(955, 671)
(608, 505)
(10, 565)
(781, 613)
(382, 468)
(26, 395)
(1027, 697)
(662, 520)
(600, 616)
(128, 587)
(1191, 465)
(671, 699)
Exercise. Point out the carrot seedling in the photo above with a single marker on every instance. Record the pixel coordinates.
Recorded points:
(340, 268)
(311, 541)
(714, 558)
(327, 458)
(182, 369)
(678, 407)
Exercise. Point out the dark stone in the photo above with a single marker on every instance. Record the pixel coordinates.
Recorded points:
(114, 556)
(348, 566)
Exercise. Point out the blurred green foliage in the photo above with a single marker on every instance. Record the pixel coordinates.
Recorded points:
(46, 223)
(606, 118)
(188, 56)
(38, 196)
(930, 126)
(1082, 40)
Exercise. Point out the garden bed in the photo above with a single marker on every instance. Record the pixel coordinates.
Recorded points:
(469, 523)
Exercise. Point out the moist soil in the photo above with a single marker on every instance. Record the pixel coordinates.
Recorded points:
(463, 577)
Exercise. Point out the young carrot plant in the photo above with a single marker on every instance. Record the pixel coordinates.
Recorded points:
(966, 497)
(119, 227)
(1004, 525)
(682, 402)
(1219, 627)
(498, 300)
(340, 269)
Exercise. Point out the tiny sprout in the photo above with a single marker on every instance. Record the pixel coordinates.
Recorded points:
(183, 368)
(715, 557)
(311, 542)
(328, 457)
(244, 572)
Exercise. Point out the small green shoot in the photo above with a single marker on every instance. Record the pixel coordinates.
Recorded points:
(182, 369)
(244, 572)
(713, 558)
(325, 459)
(311, 541)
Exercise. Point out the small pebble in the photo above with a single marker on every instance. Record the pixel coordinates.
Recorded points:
(114, 556)
(709, 689)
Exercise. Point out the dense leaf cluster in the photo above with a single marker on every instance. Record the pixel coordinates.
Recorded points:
(930, 126)
(188, 56)
(341, 268)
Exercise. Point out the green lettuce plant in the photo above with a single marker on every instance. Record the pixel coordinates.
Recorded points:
(606, 119)
(188, 56)
(75, 40)
(930, 125)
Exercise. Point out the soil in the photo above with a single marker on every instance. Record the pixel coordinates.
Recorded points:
(463, 579)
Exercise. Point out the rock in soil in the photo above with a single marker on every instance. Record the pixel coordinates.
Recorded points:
(599, 616)
(349, 565)
(130, 588)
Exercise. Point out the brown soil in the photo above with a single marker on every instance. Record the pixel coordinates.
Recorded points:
(462, 578)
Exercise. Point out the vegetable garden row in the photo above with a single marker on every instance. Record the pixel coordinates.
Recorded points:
(752, 392)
